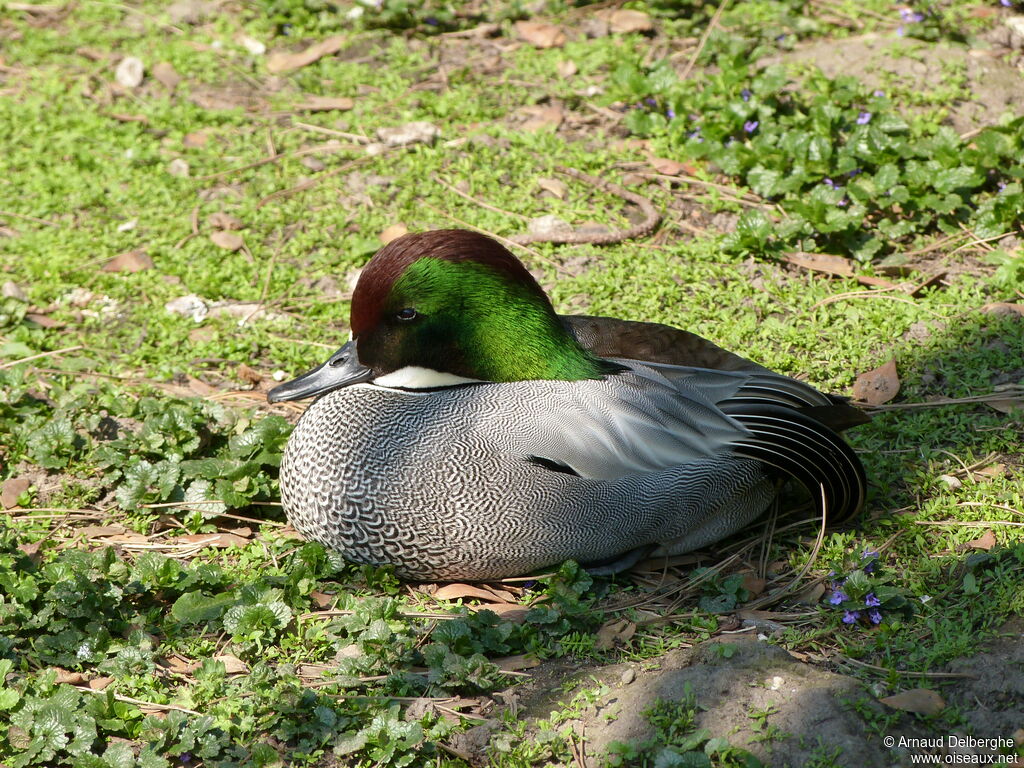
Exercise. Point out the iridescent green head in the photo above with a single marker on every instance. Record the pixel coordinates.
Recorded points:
(441, 307)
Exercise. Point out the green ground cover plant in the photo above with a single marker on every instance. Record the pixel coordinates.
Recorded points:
(155, 610)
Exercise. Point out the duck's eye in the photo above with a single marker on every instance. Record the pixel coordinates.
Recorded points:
(407, 314)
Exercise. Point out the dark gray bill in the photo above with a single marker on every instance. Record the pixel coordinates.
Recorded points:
(341, 370)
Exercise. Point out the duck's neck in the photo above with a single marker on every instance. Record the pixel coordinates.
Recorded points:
(504, 330)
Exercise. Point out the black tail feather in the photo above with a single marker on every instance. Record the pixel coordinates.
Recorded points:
(805, 449)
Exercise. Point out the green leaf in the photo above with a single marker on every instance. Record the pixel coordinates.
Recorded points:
(9, 698)
(195, 607)
(956, 178)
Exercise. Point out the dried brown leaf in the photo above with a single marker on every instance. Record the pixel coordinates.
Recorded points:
(877, 386)
(67, 677)
(542, 117)
(811, 595)
(195, 140)
(920, 700)
(554, 186)
(44, 320)
(1004, 309)
(218, 540)
(129, 261)
(322, 599)
(667, 167)
(180, 665)
(12, 488)
(992, 470)
(986, 541)
(753, 584)
(614, 633)
(508, 611)
(540, 35)
(127, 117)
(200, 387)
(96, 531)
(31, 550)
(624, 21)
(232, 664)
(221, 220)
(100, 683)
(245, 373)
(1006, 405)
(165, 74)
(515, 663)
(284, 62)
(462, 591)
(829, 263)
(325, 104)
(566, 68)
(393, 232)
(229, 241)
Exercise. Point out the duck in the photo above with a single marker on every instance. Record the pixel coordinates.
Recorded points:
(466, 431)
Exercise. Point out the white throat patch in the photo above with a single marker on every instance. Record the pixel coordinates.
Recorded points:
(414, 377)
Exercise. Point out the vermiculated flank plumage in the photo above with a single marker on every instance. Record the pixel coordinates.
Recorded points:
(442, 484)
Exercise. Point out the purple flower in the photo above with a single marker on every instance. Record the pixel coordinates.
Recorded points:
(431, 21)
(745, 94)
(870, 567)
(843, 203)
(650, 101)
(863, 118)
(1001, 185)
(851, 617)
(879, 94)
(695, 135)
(838, 596)
(871, 601)
(750, 126)
(1006, 3)
(831, 184)
(872, 553)
(670, 113)
(854, 172)
(779, 38)
(875, 615)
(899, 31)
(910, 15)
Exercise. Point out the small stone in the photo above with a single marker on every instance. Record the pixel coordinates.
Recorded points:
(951, 481)
(628, 676)
(546, 226)
(253, 46)
(129, 72)
(228, 240)
(420, 132)
(188, 306)
(312, 163)
(178, 167)
(12, 290)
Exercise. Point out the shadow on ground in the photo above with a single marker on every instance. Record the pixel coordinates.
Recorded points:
(819, 717)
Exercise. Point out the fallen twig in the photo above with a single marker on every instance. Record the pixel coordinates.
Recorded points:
(651, 217)
(704, 39)
(30, 358)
